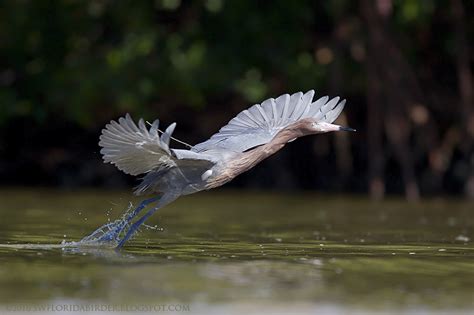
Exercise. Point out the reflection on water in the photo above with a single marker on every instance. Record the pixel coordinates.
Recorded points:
(301, 252)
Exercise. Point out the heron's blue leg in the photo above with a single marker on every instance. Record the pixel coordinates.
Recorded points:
(132, 215)
(135, 226)
(141, 206)
(111, 231)
(163, 201)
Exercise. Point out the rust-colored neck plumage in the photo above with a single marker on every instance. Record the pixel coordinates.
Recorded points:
(249, 159)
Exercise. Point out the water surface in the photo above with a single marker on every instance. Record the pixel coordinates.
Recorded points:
(241, 251)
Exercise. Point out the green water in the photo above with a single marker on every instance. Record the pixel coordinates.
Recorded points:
(242, 251)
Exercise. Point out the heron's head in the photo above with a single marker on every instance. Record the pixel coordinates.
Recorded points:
(323, 127)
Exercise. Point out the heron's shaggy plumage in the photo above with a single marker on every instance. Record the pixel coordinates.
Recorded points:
(136, 150)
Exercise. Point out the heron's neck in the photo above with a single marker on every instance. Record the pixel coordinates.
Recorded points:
(255, 156)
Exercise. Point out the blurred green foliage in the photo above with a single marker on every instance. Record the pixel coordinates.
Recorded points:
(71, 57)
(76, 59)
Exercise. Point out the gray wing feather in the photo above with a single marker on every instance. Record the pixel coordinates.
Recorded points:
(166, 136)
(295, 106)
(261, 122)
(154, 128)
(323, 110)
(283, 102)
(134, 149)
(316, 106)
(335, 112)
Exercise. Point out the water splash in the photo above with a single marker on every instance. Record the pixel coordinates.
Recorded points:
(110, 233)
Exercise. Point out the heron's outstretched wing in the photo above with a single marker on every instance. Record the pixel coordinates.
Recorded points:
(137, 150)
(261, 122)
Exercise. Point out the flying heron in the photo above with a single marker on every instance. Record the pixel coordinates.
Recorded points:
(250, 137)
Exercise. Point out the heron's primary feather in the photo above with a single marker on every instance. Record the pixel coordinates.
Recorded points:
(261, 122)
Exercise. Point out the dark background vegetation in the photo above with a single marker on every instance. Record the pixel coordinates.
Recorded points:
(68, 67)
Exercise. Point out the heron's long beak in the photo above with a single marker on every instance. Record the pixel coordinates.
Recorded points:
(326, 127)
(342, 128)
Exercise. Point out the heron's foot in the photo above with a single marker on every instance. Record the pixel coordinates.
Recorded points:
(130, 232)
(110, 232)
(116, 233)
